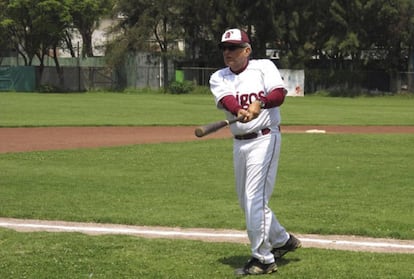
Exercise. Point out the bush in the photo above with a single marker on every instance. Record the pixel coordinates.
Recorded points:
(184, 87)
(49, 88)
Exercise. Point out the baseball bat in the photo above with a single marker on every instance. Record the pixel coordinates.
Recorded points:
(212, 127)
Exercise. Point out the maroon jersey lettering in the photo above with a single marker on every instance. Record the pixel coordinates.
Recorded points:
(247, 98)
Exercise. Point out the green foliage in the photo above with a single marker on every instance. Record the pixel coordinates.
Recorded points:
(183, 87)
(86, 15)
(346, 83)
(342, 34)
(37, 26)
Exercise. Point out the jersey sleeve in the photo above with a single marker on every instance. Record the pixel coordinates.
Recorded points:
(272, 78)
(219, 88)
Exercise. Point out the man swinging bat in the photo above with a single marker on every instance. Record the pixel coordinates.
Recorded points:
(250, 93)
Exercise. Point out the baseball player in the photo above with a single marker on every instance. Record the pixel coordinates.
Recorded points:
(254, 90)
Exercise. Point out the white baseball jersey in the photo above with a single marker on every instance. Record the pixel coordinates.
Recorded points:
(255, 160)
(246, 88)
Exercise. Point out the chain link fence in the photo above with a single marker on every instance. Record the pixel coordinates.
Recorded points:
(76, 79)
(323, 79)
(145, 70)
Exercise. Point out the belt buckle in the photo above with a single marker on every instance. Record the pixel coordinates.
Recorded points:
(265, 131)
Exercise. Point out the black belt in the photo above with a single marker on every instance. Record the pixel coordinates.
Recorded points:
(264, 131)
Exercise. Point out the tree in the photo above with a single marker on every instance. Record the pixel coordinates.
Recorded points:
(150, 26)
(35, 28)
(52, 18)
(86, 15)
(293, 22)
(18, 24)
(392, 34)
(194, 19)
(4, 40)
(346, 17)
(410, 43)
(259, 20)
(209, 19)
(339, 33)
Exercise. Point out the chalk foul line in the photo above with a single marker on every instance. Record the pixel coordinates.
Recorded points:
(353, 243)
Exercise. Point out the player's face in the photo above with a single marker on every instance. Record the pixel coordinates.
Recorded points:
(235, 56)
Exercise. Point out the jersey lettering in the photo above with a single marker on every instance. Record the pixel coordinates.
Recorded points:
(246, 99)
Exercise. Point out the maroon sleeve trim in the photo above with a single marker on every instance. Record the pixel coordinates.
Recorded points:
(275, 98)
(230, 103)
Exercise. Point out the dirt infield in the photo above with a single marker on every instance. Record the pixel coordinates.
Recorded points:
(56, 138)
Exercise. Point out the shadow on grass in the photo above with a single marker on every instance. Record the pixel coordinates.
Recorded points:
(234, 261)
(240, 261)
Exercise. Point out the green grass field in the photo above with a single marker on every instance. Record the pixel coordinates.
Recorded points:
(331, 184)
(328, 184)
(70, 255)
(99, 109)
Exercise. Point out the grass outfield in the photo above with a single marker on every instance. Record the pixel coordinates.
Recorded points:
(329, 184)
(71, 255)
(100, 109)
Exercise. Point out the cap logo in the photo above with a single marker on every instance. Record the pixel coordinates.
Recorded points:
(234, 36)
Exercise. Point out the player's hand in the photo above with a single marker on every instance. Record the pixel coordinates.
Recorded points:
(251, 113)
(245, 114)
(254, 109)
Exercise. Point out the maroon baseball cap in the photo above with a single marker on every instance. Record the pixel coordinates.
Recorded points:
(234, 36)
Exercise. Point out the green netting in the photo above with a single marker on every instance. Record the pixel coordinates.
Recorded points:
(21, 78)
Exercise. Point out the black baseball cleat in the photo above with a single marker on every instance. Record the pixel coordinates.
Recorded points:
(291, 245)
(255, 267)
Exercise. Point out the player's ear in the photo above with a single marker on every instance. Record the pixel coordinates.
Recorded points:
(248, 51)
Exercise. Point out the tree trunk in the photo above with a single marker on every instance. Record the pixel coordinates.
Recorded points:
(87, 50)
(41, 66)
(59, 69)
(410, 74)
(165, 71)
(69, 44)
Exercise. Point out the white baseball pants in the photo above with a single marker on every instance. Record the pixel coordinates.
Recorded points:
(255, 168)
